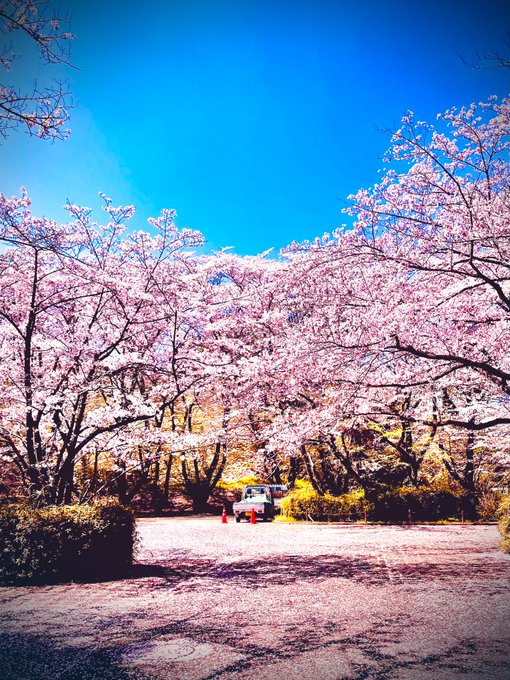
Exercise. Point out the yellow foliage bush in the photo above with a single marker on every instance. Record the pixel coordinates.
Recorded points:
(304, 503)
(488, 506)
(504, 523)
(238, 484)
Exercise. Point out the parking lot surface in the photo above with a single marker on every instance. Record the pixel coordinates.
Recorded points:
(326, 602)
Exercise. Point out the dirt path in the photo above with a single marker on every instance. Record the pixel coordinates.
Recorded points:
(209, 600)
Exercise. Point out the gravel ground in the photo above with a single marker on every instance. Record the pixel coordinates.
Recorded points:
(208, 600)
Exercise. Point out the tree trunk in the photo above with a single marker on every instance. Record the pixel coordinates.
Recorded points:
(199, 496)
(294, 465)
(166, 488)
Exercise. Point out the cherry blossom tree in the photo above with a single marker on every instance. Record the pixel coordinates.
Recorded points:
(418, 291)
(252, 310)
(439, 224)
(83, 331)
(369, 327)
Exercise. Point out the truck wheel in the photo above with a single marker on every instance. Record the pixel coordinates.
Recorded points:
(238, 518)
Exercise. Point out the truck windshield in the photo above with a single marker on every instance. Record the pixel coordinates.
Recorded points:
(256, 492)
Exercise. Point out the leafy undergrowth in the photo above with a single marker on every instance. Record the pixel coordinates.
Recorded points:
(64, 543)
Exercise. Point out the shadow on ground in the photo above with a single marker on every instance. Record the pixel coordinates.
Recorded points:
(183, 572)
(32, 657)
(259, 573)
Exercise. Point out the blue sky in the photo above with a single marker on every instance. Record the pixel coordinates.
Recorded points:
(254, 119)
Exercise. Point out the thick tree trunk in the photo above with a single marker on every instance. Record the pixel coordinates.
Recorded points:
(156, 492)
(470, 500)
(200, 484)
(166, 488)
(294, 465)
(199, 497)
(310, 469)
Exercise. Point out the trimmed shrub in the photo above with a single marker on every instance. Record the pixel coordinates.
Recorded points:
(388, 505)
(304, 503)
(423, 503)
(63, 543)
(504, 523)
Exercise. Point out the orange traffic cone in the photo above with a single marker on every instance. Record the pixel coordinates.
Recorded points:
(253, 519)
(224, 516)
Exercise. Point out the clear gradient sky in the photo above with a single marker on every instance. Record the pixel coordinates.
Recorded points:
(254, 119)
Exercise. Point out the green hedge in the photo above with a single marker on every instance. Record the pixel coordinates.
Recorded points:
(504, 523)
(305, 503)
(421, 504)
(63, 543)
(391, 505)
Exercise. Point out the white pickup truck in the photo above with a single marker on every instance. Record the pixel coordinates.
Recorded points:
(260, 498)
